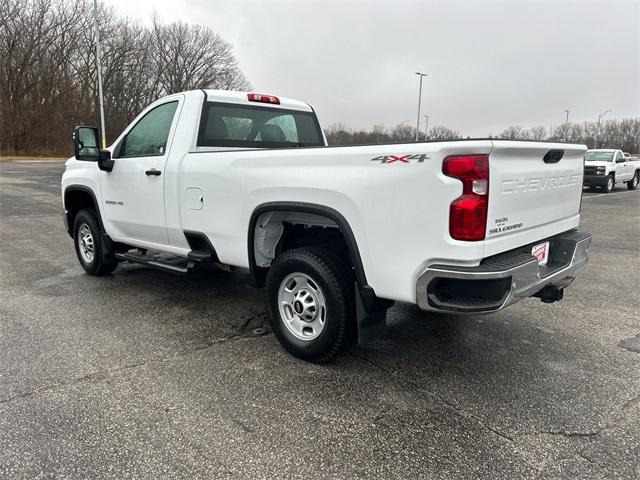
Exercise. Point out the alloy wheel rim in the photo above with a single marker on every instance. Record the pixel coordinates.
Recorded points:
(302, 306)
(86, 243)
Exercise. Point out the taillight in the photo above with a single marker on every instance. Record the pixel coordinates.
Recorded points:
(468, 212)
(259, 97)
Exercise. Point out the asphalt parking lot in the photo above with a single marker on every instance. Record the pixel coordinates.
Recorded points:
(147, 375)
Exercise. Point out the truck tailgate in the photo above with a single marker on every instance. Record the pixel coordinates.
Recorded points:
(534, 191)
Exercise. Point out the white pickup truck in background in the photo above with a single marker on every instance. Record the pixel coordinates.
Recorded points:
(606, 166)
(335, 233)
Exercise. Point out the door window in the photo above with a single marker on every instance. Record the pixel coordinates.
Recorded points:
(149, 136)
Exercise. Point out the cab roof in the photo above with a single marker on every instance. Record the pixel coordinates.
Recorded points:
(229, 96)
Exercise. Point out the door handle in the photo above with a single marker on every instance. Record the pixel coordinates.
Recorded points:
(153, 172)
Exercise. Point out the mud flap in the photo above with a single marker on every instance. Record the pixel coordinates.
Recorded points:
(371, 314)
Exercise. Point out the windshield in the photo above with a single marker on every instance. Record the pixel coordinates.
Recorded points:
(598, 156)
(248, 126)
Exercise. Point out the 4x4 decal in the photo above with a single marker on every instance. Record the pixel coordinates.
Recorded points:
(417, 158)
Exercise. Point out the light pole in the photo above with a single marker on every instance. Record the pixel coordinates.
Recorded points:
(426, 127)
(595, 140)
(566, 125)
(99, 69)
(421, 75)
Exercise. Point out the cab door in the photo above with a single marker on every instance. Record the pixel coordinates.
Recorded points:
(133, 192)
(623, 168)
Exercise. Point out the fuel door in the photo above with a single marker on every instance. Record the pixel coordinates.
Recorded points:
(194, 198)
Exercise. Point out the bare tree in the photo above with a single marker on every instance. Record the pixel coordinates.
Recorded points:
(515, 133)
(538, 133)
(443, 133)
(195, 58)
(403, 132)
(48, 70)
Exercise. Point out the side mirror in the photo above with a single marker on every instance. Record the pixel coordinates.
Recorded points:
(86, 141)
(104, 160)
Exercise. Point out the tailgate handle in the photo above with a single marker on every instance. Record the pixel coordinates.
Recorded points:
(553, 156)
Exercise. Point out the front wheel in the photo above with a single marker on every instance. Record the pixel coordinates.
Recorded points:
(633, 183)
(89, 248)
(610, 184)
(310, 295)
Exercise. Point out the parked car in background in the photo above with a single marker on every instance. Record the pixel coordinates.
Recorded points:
(605, 167)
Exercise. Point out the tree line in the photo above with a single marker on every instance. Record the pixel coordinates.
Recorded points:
(623, 134)
(48, 70)
(48, 80)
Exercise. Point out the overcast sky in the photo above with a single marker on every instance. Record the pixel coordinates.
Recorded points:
(490, 65)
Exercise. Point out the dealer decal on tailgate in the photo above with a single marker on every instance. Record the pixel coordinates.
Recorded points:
(502, 225)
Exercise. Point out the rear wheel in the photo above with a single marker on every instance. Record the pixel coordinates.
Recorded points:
(310, 295)
(633, 183)
(610, 184)
(89, 249)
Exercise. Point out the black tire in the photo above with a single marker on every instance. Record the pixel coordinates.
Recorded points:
(633, 183)
(334, 279)
(611, 184)
(100, 263)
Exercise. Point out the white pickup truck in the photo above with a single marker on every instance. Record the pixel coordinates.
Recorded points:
(606, 166)
(336, 234)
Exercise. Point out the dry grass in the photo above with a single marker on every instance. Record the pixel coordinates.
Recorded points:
(30, 158)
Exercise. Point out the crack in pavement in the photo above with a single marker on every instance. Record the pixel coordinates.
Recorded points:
(443, 400)
(511, 439)
(631, 344)
(567, 434)
(632, 402)
(563, 433)
(102, 375)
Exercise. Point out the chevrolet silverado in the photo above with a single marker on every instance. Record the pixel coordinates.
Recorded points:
(606, 167)
(335, 234)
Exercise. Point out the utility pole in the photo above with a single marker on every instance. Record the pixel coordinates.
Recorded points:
(566, 125)
(426, 127)
(595, 140)
(99, 70)
(421, 75)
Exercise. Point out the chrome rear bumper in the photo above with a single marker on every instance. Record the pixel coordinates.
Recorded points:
(503, 279)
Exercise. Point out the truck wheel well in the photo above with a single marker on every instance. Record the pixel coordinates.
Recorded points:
(277, 232)
(275, 228)
(278, 227)
(75, 200)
